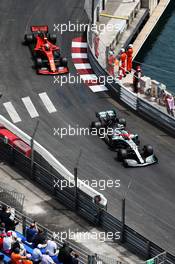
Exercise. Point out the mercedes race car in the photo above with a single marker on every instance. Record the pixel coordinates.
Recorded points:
(112, 129)
(46, 54)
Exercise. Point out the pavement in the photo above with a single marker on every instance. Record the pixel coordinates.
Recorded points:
(76, 105)
(39, 205)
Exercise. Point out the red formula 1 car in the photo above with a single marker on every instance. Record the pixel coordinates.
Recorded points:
(46, 54)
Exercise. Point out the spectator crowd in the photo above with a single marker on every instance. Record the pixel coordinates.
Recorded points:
(42, 250)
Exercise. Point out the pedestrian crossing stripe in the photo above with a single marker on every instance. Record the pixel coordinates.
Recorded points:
(12, 112)
(30, 107)
(28, 104)
(47, 102)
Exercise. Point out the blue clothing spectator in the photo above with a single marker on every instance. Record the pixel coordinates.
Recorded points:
(31, 232)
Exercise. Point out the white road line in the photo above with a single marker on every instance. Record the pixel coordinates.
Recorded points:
(98, 88)
(76, 44)
(47, 102)
(88, 77)
(30, 107)
(79, 55)
(12, 112)
(80, 66)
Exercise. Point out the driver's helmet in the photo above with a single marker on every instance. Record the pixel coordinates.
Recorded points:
(45, 39)
(41, 34)
(47, 46)
(107, 117)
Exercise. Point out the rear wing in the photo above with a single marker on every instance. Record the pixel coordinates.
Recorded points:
(43, 29)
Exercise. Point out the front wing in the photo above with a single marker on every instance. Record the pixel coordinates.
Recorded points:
(60, 70)
(134, 163)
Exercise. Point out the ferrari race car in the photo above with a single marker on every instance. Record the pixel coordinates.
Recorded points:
(126, 144)
(46, 54)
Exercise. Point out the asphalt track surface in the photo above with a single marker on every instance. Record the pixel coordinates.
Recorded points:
(150, 202)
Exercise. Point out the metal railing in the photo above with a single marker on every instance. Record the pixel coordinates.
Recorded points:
(11, 196)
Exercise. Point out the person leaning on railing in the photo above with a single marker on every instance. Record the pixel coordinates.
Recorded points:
(170, 104)
(31, 231)
(5, 217)
(136, 79)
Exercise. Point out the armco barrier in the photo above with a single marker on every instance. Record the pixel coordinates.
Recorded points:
(128, 97)
(52, 161)
(152, 113)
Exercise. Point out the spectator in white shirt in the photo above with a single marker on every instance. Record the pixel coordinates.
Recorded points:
(46, 259)
(7, 242)
(36, 256)
(51, 247)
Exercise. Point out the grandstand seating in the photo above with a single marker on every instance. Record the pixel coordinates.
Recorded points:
(29, 249)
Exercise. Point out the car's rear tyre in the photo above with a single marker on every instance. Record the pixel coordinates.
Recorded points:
(122, 121)
(28, 38)
(39, 63)
(148, 150)
(64, 62)
(122, 154)
(53, 38)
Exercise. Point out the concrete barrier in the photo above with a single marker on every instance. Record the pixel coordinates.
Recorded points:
(52, 160)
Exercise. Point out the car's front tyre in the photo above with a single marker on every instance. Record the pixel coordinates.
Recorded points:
(148, 150)
(64, 62)
(122, 154)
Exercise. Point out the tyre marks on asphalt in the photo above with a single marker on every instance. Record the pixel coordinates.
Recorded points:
(30, 107)
(83, 67)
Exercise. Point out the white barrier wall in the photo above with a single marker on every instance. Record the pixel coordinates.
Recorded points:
(52, 160)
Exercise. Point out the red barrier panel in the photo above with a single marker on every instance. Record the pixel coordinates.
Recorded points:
(15, 141)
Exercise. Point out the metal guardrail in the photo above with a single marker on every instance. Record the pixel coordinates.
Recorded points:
(160, 118)
(128, 97)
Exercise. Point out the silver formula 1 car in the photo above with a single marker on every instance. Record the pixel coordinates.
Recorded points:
(126, 144)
